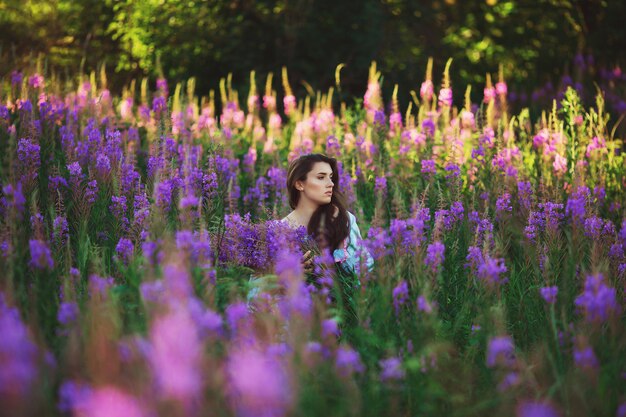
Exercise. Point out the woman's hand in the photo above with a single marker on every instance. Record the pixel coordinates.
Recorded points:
(307, 262)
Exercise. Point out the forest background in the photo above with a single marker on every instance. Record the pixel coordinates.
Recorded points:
(540, 44)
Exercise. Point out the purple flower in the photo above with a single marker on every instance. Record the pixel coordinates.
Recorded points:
(40, 255)
(549, 294)
(348, 361)
(36, 81)
(524, 193)
(454, 171)
(16, 78)
(423, 305)
(235, 316)
(60, 230)
(504, 203)
(490, 270)
(13, 198)
(175, 355)
(107, 401)
(125, 249)
(598, 301)
(536, 409)
(91, 192)
(593, 227)
(258, 383)
(381, 185)
(501, 351)
(428, 167)
(288, 266)
(510, 379)
(621, 410)
(457, 210)
(159, 105)
(400, 295)
(68, 313)
(152, 291)
(72, 395)
(18, 353)
(576, 204)
(379, 118)
(28, 154)
(103, 164)
(391, 369)
(585, 358)
(435, 255)
(330, 328)
(163, 195)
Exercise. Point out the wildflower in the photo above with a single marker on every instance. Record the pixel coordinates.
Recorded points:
(400, 295)
(536, 409)
(40, 255)
(510, 379)
(489, 93)
(445, 97)
(454, 171)
(585, 358)
(125, 249)
(598, 302)
(379, 118)
(152, 291)
(235, 316)
(559, 164)
(348, 361)
(504, 203)
(159, 105)
(18, 353)
(501, 88)
(330, 327)
(68, 313)
(491, 269)
(549, 294)
(426, 90)
(289, 103)
(435, 255)
(36, 81)
(428, 167)
(500, 351)
(391, 369)
(103, 165)
(175, 355)
(423, 305)
(107, 401)
(381, 185)
(257, 383)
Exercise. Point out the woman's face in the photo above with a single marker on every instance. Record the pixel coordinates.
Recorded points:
(318, 186)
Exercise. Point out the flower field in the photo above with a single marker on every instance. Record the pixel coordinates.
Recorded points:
(134, 230)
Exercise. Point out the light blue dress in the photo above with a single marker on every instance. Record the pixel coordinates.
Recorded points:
(352, 255)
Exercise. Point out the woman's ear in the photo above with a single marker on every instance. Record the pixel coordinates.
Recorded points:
(299, 185)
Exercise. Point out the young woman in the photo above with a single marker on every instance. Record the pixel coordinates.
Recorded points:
(319, 207)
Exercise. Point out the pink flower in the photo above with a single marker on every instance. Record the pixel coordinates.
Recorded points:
(501, 88)
(445, 97)
(258, 384)
(560, 164)
(176, 355)
(426, 90)
(489, 94)
(109, 401)
(269, 102)
(289, 102)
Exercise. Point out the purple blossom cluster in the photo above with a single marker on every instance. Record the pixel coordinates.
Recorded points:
(598, 301)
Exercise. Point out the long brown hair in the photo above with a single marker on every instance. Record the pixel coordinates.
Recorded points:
(329, 224)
